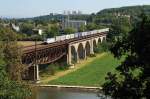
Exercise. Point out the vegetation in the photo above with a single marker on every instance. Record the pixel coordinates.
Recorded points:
(27, 28)
(119, 20)
(129, 35)
(136, 47)
(52, 31)
(82, 28)
(119, 28)
(105, 16)
(51, 69)
(10, 67)
(102, 47)
(92, 74)
(69, 31)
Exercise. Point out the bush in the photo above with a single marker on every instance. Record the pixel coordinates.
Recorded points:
(102, 47)
(52, 68)
(92, 55)
(64, 66)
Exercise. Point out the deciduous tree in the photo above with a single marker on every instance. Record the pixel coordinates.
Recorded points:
(126, 83)
(10, 67)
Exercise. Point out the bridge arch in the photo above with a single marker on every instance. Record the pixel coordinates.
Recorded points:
(73, 54)
(87, 48)
(81, 51)
(94, 45)
(104, 38)
(99, 41)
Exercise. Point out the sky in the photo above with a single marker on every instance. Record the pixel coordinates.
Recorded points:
(31, 8)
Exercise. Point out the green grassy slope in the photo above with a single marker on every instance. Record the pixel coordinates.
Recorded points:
(93, 74)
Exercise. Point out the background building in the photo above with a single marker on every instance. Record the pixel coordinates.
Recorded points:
(16, 28)
(76, 24)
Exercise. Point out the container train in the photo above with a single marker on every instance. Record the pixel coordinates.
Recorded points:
(75, 35)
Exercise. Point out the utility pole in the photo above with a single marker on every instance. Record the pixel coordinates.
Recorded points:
(36, 66)
(35, 62)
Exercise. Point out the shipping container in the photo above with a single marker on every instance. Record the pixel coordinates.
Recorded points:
(67, 36)
(49, 40)
(76, 35)
(63, 37)
(58, 38)
(72, 35)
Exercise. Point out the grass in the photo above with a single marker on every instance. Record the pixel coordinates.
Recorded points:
(28, 43)
(45, 78)
(92, 74)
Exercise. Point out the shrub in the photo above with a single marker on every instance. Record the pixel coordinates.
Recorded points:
(102, 47)
(52, 68)
(64, 66)
(92, 55)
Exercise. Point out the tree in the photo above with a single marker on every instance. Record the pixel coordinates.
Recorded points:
(91, 26)
(119, 28)
(69, 30)
(52, 31)
(12, 56)
(82, 28)
(12, 53)
(27, 28)
(132, 81)
(11, 86)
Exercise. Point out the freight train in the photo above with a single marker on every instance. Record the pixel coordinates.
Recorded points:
(75, 35)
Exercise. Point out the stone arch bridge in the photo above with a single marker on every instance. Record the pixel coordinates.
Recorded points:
(75, 49)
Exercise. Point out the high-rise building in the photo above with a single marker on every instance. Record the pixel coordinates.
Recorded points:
(74, 13)
(68, 12)
(79, 12)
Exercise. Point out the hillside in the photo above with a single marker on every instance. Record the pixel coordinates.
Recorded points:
(129, 10)
(123, 17)
(105, 16)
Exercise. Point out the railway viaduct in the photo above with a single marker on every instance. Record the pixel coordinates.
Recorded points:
(80, 49)
(75, 49)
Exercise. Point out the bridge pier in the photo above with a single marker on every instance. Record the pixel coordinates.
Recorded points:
(78, 60)
(37, 77)
(69, 56)
(33, 73)
(85, 56)
(92, 47)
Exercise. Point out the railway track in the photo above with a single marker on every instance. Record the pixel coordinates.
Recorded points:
(31, 48)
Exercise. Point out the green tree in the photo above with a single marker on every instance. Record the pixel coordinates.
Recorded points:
(11, 86)
(69, 30)
(12, 56)
(91, 26)
(133, 78)
(27, 28)
(82, 28)
(119, 28)
(52, 31)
